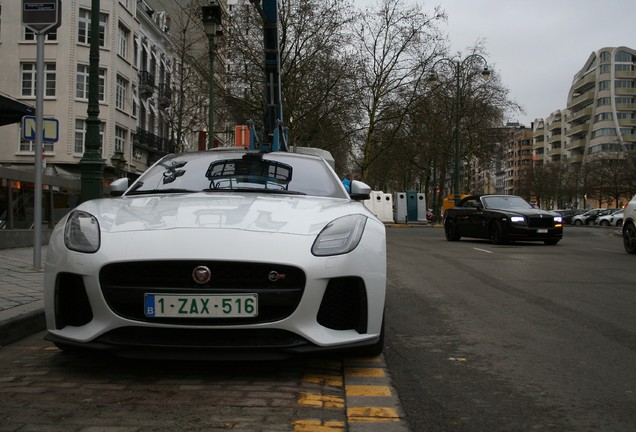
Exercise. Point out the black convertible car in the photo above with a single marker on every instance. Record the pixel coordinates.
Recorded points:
(501, 218)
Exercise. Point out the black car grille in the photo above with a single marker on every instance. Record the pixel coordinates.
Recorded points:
(124, 286)
(541, 222)
(201, 338)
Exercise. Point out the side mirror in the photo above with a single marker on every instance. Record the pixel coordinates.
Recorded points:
(360, 191)
(119, 186)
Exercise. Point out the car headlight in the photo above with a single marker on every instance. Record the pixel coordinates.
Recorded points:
(340, 236)
(558, 219)
(81, 232)
(517, 219)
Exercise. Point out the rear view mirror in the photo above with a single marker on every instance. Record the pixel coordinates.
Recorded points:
(119, 186)
(360, 191)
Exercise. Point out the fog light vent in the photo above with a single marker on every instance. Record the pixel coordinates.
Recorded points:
(344, 305)
(72, 307)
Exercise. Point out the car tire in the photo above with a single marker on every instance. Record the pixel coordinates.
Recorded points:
(619, 223)
(450, 231)
(551, 242)
(497, 236)
(603, 223)
(629, 238)
(577, 222)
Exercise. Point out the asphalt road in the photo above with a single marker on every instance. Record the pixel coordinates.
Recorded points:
(521, 337)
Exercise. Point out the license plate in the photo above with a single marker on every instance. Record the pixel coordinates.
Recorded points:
(542, 231)
(201, 306)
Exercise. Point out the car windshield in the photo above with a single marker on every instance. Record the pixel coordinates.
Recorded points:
(218, 171)
(505, 202)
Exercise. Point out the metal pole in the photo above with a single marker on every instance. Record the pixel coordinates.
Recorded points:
(211, 54)
(457, 134)
(92, 164)
(39, 132)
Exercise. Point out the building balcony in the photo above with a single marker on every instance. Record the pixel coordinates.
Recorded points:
(585, 83)
(627, 122)
(554, 151)
(146, 84)
(165, 95)
(575, 158)
(577, 143)
(555, 139)
(153, 143)
(625, 74)
(582, 115)
(555, 125)
(581, 101)
(579, 129)
(625, 91)
(625, 107)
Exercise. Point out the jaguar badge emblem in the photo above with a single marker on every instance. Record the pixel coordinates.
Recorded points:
(201, 275)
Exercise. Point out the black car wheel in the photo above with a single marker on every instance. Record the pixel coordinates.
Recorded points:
(497, 235)
(578, 222)
(372, 350)
(629, 238)
(603, 223)
(619, 223)
(450, 231)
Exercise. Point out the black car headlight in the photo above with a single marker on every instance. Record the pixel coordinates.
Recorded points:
(81, 232)
(340, 236)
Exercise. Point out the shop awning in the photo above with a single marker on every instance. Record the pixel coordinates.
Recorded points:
(12, 110)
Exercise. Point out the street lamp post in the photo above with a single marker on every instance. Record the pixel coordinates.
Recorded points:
(211, 18)
(459, 66)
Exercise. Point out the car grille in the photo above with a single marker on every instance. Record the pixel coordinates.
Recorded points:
(125, 284)
(201, 338)
(541, 222)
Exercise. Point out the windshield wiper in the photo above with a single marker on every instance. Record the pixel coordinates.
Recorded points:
(257, 190)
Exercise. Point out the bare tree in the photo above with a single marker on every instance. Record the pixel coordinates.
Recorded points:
(394, 42)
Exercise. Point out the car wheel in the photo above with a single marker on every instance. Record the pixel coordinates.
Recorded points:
(578, 222)
(450, 231)
(603, 223)
(629, 238)
(497, 236)
(551, 242)
(619, 223)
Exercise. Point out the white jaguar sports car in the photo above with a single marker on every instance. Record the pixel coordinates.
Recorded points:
(220, 254)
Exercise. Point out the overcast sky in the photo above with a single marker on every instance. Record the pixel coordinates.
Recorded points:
(536, 46)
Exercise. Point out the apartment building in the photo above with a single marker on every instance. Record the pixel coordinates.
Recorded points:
(517, 162)
(137, 60)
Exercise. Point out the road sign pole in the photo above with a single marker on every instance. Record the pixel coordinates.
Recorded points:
(39, 132)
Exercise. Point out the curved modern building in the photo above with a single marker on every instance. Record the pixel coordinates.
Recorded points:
(602, 106)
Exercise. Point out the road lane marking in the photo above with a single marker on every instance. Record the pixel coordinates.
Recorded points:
(483, 250)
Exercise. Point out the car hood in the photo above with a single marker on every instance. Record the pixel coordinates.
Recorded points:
(252, 212)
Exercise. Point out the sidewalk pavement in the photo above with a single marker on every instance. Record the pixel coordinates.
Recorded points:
(21, 294)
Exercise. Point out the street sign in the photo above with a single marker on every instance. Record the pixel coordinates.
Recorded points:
(41, 16)
(51, 128)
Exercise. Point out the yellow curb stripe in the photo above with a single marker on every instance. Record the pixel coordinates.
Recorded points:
(372, 414)
(320, 401)
(330, 380)
(318, 426)
(367, 390)
(364, 372)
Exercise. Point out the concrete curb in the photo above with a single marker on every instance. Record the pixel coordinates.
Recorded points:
(24, 321)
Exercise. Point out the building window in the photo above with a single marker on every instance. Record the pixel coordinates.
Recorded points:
(121, 92)
(625, 57)
(136, 51)
(124, 2)
(135, 101)
(606, 57)
(80, 137)
(604, 85)
(81, 83)
(124, 35)
(84, 27)
(120, 139)
(29, 35)
(29, 146)
(28, 73)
